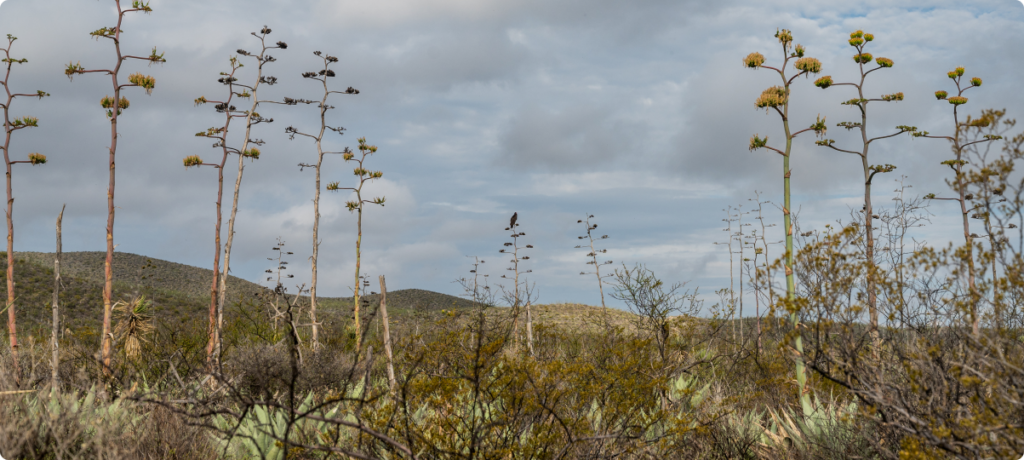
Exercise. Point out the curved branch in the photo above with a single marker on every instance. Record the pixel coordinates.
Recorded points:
(872, 70)
(845, 151)
(794, 77)
(977, 142)
(883, 137)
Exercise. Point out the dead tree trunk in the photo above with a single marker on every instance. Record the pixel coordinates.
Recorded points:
(55, 365)
(387, 333)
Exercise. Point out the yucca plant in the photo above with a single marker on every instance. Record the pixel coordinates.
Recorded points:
(592, 255)
(252, 118)
(220, 135)
(356, 206)
(859, 40)
(113, 107)
(321, 76)
(960, 182)
(777, 98)
(10, 126)
(134, 324)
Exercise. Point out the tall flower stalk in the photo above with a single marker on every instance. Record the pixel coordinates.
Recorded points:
(114, 106)
(520, 296)
(592, 255)
(252, 118)
(356, 206)
(960, 180)
(220, 135)
(777, 98)
(859, 40)
(10, 126)
(321, 76)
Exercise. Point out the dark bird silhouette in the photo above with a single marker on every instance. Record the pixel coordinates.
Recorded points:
(512, 224)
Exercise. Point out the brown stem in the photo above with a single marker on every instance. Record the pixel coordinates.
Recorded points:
(222, 291)
(108, 274)
(12, 327)
(387, 333)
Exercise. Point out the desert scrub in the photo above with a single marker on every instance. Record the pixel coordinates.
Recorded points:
(114, 106)
(10, 127)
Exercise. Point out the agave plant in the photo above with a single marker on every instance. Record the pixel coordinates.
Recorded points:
(71, 424)
(785, 429)
(258, 433)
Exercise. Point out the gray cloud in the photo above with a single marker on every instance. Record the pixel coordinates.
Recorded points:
(637, 112)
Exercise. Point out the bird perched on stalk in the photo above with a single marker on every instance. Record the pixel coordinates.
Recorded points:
(512, 223)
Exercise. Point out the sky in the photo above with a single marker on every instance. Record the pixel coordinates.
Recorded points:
(637, 112)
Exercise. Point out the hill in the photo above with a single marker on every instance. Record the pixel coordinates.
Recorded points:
(180, 293)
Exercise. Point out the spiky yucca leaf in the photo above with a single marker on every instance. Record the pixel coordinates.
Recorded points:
(134, 324)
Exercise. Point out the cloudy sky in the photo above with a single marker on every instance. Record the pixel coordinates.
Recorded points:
(638, 112)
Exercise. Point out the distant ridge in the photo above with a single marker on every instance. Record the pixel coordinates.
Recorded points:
(194, 282)
(137, 270)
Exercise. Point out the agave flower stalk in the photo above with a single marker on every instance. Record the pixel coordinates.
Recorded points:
(220, 135)
(735, 214)
(280, 266)
(756, 238)
(519, 297)
(592, 255)
(730, 218)
(252, 118)
(114, 106)
(356, 206)
(960, 176)
(858, 40)
(778, 98)
(10, 126)
(321, 76)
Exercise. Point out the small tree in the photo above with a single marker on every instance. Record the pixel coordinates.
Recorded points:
(777, 98)
(252, 118)
(520, 295)
(114, 106)
(592, 255)
(320, 76)
(960, 183)
(653, 303)
(10, 126)
(859, 40)
(220, 134)
(356, 205)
